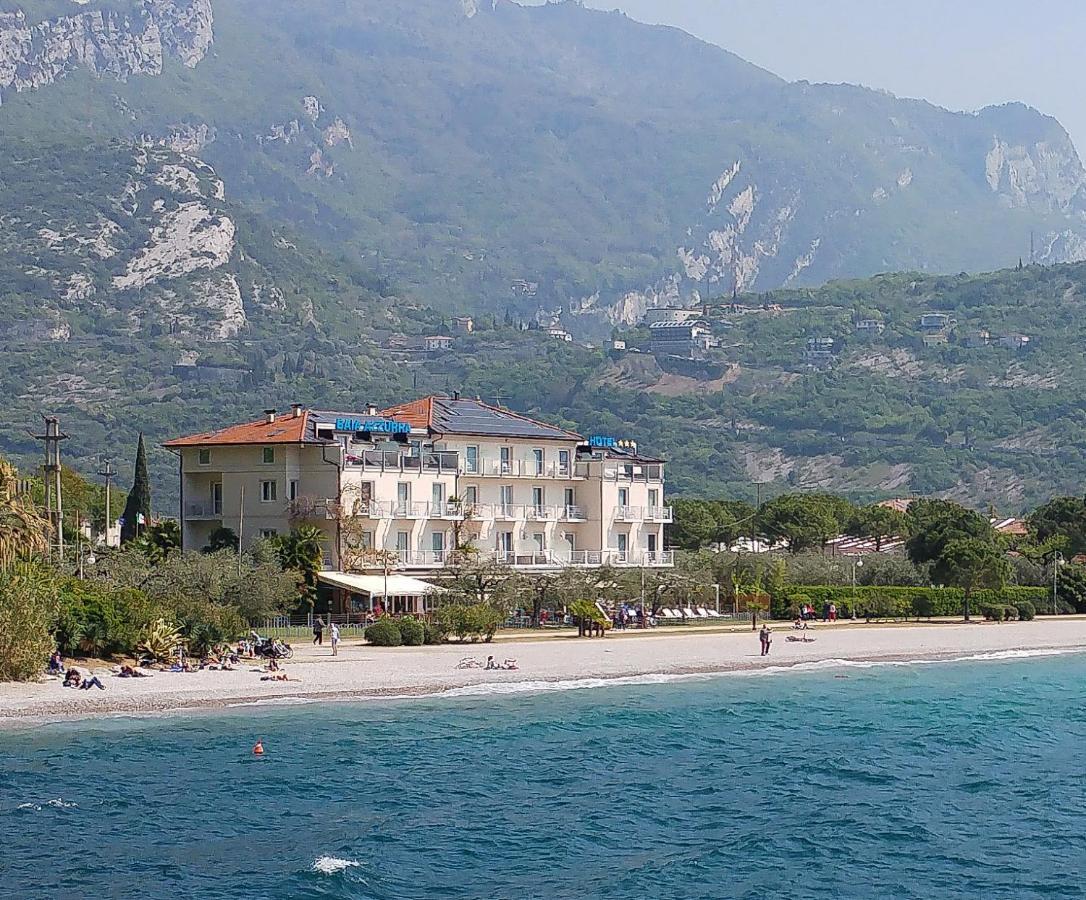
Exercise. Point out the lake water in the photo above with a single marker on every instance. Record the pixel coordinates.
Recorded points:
(927, 781)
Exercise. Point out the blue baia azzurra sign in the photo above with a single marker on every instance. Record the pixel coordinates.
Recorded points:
(374, 426)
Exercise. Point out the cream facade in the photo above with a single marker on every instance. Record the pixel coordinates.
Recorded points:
(420, 481)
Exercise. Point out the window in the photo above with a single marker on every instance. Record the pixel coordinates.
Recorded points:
(505, 541)
(569, 498)
(507, 460)
(269, 491)
(537, 459)
(623, 542)
(294, 489)
(216, 498)
(471, 459)
(623, 497)
(652, 543)
(437, 497)
(537, 499)
(269, 455)
(571, 540)
(366, 540)
(471, 497)
(437, 542)
(563, 462)
(403, 498)
(203, 457)
(268, 533)
(654, 498)
(507, 499)
(402, 538)
(540, 541)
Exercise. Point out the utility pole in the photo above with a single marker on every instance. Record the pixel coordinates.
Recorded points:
(108, 474)
(54, 498)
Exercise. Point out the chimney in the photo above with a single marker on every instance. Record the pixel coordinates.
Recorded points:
(456, 395)
(269, 416)
(296, 410)
(371, 410)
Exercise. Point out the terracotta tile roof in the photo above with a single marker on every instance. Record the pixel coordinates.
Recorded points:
(454, 415)
(286, 429)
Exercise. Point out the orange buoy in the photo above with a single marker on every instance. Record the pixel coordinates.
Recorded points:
(258, 749)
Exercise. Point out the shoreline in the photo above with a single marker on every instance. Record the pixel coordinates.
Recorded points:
(362, 673)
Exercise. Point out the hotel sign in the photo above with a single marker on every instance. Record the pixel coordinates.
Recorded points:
(374, 426)
(602, 440)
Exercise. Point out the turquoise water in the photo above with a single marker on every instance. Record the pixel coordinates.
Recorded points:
(935, 781)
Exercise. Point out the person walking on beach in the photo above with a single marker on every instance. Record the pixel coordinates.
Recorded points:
(766, 639)
(318, 632)
(335, 639)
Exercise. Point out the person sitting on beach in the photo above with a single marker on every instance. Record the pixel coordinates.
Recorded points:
(56, 664)
(490, 664)
(273, 665)
(73, 678)
(93, 681)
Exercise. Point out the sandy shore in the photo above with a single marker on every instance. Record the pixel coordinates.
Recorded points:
(361, 671)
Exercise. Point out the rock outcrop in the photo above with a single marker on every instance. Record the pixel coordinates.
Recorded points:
(103, 42)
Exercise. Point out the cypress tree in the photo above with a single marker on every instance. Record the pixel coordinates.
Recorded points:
(139, 498)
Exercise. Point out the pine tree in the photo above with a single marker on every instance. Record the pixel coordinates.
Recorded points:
(139, 498)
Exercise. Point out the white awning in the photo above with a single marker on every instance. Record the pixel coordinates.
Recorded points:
(374, 585)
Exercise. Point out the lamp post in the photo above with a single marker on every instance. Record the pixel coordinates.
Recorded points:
(857, 563)
(1057, 561)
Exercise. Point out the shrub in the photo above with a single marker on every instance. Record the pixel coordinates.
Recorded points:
(475, 622)
(27, 606)
(160, 640)
(384, 633)
(100, 620)
(412, 632)
(434, 633)
(994, 612)
(1026, 611)
(205, 625)
(934, 601)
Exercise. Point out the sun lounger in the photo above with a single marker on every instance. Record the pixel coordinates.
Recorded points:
(666, 614)
(690, 614)
(707, 613)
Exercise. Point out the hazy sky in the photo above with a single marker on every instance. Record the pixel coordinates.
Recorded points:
(962, 54)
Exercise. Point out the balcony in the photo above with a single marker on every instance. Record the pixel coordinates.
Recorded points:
(541, 513)
(633, 472)
(572, 514)
(203, 511)
(540, 559)
(519, 468)
(658, 514)
(435, 461)
(313, 508)
(643, 514)
(404, 510)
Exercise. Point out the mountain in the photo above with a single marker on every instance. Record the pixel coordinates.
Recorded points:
(552, 160)
(215, 206)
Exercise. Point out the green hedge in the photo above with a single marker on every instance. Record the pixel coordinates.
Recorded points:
(900, 602)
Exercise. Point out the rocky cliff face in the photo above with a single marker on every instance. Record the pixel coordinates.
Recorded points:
(102, 41)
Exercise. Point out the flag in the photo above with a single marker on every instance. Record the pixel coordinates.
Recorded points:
(141, 519)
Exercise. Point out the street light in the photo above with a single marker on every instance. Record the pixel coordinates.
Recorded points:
(1057, 561)
(857, 563)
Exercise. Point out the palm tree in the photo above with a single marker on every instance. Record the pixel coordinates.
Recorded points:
(24, 533)
(303, 550)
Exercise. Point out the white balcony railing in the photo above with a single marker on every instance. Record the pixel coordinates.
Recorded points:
(658, 514)
(521, 468)
(630, 513)
(552, 559)
(572, 514)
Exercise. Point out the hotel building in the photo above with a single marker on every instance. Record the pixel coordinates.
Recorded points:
(407, 486)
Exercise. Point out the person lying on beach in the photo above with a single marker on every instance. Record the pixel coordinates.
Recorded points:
(73, 678)
(510, 664)
(282, 676)
(93, 681)
(131, 672)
